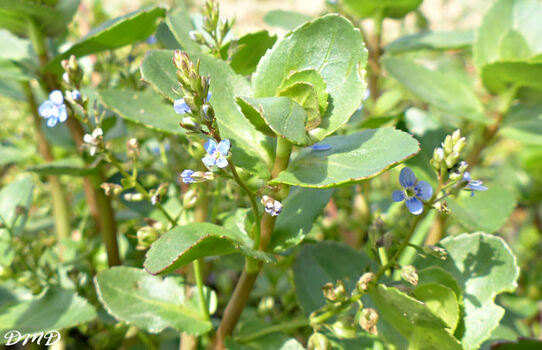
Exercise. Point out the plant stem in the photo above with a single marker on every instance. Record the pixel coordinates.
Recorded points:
(375, 51)
(491, 130)
(244, 286)
(285, 326)
(99, 204)
(61, 213)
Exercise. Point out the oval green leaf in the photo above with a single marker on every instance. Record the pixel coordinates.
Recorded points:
(148, 302)
(332, 47)
(184, 244)
(350, 159)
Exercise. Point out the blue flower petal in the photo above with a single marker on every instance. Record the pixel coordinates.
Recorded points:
(414, 205)
(180, 106)
(209, 161)
(398, 196)
(407, 178)
(321, 147)
(210, 146)
(423, 190)
(51, 122)
(209, 94)
(62, 113)
(476, 186)
(186, 176)
(223, 147)
(222, 162)
(56, 97)
(466, 176)
(46, 109)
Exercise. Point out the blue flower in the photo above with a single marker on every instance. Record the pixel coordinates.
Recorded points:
(272, 206)
(321, 148)
(186, 176)
(151, 40)
(181, 107)
(472, 185)
(54, 109)
(216, 154)
(414, 191)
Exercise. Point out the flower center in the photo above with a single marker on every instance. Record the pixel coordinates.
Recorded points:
(410, 192)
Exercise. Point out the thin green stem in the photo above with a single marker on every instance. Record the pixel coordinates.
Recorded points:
(281, 327)
(199, 283)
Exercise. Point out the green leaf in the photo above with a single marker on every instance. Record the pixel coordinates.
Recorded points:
(13, 71)
(385, 8)
(148, 302)
(305, 96)
(180, 24)
(441, 301)
(12, 154)
(485, 211)
(449, 40)
(282, 115)
(500, 76)
(436, 274)
(314, 79)
(55, 309)
(413, 319)
(51, 20)
(332, 47)
(18, 194)
(300, 211)
(67, 166)
(249, 50)
(317, 264)
(184, 244)
(508, 45)
(484, 266)
(145, 108)
(520, 344)
(350, 159)
(439, 89)
(286, 19)
(250, 149)
(508, 26)
(118, 32)
(524, 124)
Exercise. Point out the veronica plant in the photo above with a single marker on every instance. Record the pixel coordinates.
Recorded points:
(217, 190)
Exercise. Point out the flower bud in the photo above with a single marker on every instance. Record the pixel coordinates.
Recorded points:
(344, 327)
(133, 197)
(146, 236)
(208, 113)
(448, 144)
(452, 159)
(460, 145)
(132, 148)
(318, 341)
(190, 198)
(196, 36)
(266, 305)
(456, 135)
(368, 320)
(409, 274)
(334, 293)
(364, 282)
(73, 73)
(435, 251)
(111, 189)
(438, 155)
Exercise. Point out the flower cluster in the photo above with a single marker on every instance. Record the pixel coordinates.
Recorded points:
(216, 29)
(92, 141)
(54, 109)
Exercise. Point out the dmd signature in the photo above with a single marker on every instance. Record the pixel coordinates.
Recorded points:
(13, 337)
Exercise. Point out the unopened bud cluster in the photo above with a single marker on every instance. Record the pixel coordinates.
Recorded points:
(409, 274)
(446, 156)
(73, 74)
(146, 235)
(194, 105)
(335, 293)
(217, 29)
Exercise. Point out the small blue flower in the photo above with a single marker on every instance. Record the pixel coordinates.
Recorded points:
(181, 107)
(321, 148)
(186, 176)
(54, 109)
(472, 185)
(272, 206)
(216, 153)
(414, 191)
(209, 95)
(151, 40)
